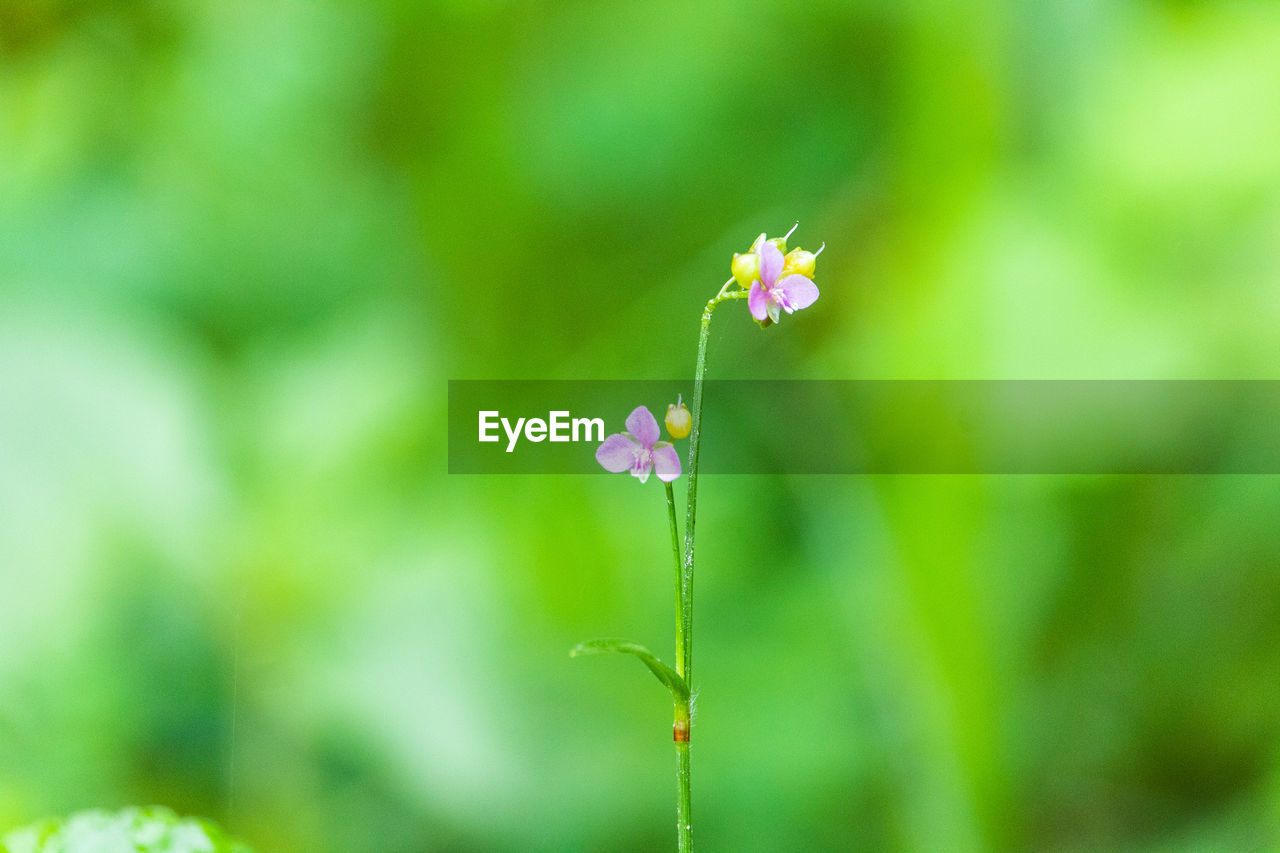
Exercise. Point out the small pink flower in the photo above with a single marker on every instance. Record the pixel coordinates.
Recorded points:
(639, 450)
(769, 293)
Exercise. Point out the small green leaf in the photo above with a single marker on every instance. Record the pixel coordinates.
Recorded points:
(668, 676)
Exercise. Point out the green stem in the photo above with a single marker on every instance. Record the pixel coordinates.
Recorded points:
(695, 442)
(684, 582)
(684, 796)
(684, 805)
(675, 551)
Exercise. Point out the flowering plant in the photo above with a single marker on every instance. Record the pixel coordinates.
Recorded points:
(773, 281)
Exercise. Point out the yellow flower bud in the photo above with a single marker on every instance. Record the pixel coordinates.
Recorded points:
(745, 268)
(678, 420)
(781, 242)
(799, 262)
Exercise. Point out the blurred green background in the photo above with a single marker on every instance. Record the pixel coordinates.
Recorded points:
(244, 245)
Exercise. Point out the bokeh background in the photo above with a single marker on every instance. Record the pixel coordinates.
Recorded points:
(243, 246)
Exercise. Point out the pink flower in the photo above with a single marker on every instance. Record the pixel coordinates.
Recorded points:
(639, 450)
(768, 294)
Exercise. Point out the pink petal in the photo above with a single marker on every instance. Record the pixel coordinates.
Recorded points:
(756, 300)
(642, 426)
(798, 292)
(641, 473)
(770, 263)
(617, 453)
(666, 462)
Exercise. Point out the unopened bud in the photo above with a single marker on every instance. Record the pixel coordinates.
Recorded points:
(781, 242)
(678, 420)
(745, 268)
(799, 262)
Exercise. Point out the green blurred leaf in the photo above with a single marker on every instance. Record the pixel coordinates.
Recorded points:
(133, 830)
(668, 676)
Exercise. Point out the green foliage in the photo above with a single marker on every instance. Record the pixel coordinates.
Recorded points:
(132, 830)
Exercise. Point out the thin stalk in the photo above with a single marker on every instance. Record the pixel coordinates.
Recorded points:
(695, 442)
(684, 582)
(684, 805)
(675, 551)
(680, 729)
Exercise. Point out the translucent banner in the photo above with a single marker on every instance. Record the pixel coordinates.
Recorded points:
(883, 427)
